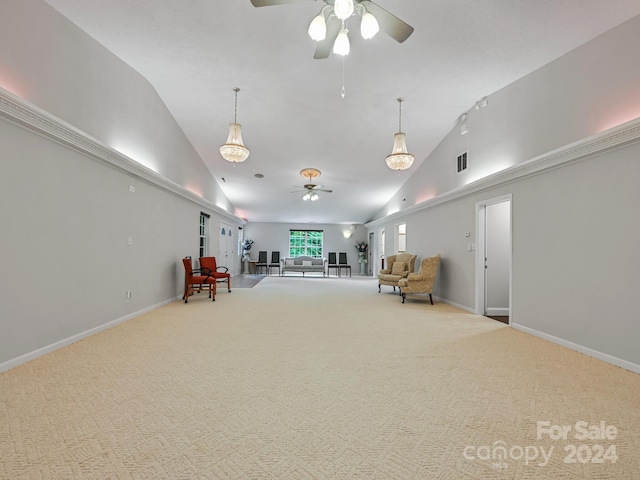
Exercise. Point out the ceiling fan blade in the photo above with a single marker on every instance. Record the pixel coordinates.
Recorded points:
(324, 47)
(322, 190)
(268, 3)
(389, 23)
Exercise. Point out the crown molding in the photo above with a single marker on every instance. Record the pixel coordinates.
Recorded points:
(616, 137)
(24, 114)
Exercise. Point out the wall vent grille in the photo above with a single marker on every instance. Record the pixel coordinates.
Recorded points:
(462, 161)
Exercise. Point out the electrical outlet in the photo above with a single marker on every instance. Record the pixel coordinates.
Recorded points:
(128, 295)
(132, 189)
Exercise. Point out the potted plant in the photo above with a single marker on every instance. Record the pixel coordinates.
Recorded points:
(246, 246)
(361, 247)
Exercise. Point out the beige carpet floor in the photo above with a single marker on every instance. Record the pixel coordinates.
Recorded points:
(312, 378)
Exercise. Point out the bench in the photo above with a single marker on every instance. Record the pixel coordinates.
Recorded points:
(303, 264)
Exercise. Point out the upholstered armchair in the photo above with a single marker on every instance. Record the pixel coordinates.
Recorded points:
(421, 282)
(398, 266)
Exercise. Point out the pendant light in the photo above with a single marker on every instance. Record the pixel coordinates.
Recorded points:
(342, 46)
(318, 27)
(400, 158)
(369, 25)
(234, 150)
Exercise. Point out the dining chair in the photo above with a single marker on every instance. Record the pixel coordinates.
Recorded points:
(342, 263)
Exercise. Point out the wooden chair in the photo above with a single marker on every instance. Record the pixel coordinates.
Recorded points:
(204, 282)
(342, 263)
(208, 265)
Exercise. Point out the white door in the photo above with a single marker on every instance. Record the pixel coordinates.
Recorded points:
(497, 258)
(227, 243)
(493, 257)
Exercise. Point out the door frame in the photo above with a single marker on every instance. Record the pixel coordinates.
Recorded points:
(481, 252)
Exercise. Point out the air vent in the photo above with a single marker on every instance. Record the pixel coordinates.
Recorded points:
(462, 161)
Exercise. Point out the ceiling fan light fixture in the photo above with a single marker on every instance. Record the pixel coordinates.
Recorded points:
(234, 150)
(342, 46)
(343, 9)
(318, 28)
(369, 26)
(400, 158)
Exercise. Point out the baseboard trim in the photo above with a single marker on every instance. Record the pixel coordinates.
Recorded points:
(14, 362)
(453, 304)
(633, 367)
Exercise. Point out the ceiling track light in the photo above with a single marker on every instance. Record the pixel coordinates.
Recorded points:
(234, 150)
(464, 126)
(400, 158)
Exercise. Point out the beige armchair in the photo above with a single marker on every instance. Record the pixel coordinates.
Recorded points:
(421, 282)
(398, 266)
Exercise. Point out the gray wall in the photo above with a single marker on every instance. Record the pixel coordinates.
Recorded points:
(585, 92)
(574, 227)
(66, 215)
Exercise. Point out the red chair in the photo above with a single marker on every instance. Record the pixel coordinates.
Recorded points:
(209, 266)
(204, 282)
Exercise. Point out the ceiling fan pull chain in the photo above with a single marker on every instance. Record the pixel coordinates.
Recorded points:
(343, 90)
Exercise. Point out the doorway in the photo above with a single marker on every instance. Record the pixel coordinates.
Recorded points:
(493, 258)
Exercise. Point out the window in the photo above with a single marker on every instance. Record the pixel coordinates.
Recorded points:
(402, 237)
(305, 242)
(204, 238)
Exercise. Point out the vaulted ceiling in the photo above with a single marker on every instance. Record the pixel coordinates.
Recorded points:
(290, 105)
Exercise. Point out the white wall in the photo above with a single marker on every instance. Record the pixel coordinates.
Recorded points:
(574, 227)
(587, 91)
(67, 213)
(48, 61)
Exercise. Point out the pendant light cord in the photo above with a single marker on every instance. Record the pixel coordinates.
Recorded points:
(400, 114)
(235, 108)
(343, 90)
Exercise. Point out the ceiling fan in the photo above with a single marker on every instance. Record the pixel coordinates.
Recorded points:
(310, 188)
(328, 28)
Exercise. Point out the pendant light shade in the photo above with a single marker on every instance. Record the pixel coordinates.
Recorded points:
(318, 28)
(400, 158)
(341, 46)
(234, 150)
(369, 26)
